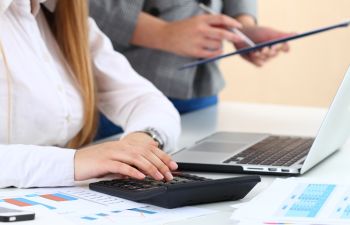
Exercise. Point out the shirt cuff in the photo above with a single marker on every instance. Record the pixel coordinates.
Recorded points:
(37, 166)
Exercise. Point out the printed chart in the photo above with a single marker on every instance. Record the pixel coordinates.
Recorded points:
(342, 210)
(27, 200)
(306, 201)
(299, 201)
(83, 206)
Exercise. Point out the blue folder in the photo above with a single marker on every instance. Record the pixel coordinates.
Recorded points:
(265, 44)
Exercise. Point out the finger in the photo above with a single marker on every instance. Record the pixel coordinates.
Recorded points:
(285, 47)
(157, 162)
(255, 54)
(131, 155)
(223, 20)
(125, 170)
(273, 52)
(265, 53)
(165, 158)
(146, 166)
(282, 47)
(278, 47)
(255, 60)
(258, 62)
(221, 34)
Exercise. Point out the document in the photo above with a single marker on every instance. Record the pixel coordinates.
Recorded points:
(83, 206)
(265, 44)
(298, 201)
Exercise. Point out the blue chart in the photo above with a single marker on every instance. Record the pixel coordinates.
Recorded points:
(343, 208)
(307, 200)
(346, 213)
(135, 212)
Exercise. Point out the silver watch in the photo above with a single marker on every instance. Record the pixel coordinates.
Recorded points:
(155, 135)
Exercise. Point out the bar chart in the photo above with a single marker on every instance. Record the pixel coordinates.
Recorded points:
(307, 201)
(83, 206)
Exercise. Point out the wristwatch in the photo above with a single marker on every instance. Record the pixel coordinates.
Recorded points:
(155, 135)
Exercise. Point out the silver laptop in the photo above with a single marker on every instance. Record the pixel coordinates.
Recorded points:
(270, 154)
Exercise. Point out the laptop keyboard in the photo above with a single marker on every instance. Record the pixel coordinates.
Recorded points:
(274, 151)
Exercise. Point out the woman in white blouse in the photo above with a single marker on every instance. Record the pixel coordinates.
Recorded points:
(56, 69)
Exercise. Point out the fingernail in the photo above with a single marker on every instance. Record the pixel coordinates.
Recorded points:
(159, 176)
(173, 165)
(141, 175)
(169, 176)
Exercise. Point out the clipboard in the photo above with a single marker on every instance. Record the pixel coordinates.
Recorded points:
(266, 44)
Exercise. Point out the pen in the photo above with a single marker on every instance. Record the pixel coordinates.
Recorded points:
(246, 40)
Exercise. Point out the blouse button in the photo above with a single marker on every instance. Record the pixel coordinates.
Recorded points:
(68, 118)
(46, 56)
(60, 88)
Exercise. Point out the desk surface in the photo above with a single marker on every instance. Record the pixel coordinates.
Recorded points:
(228, 116)
(275, 119)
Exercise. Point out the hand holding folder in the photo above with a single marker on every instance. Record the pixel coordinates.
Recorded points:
(261, 34)
(266, 44)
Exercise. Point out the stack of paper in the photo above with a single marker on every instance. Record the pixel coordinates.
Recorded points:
(83, 206)
(298, 201)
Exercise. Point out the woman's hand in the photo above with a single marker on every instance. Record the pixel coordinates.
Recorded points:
(200, 36)
(135, 156)
(262, 34)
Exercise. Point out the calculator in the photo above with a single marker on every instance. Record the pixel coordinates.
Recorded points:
(184, 189)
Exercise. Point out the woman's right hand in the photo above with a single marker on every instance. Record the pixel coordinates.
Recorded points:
(124, 158)
(200, 36)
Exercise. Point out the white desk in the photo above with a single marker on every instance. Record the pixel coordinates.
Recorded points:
(257, 118)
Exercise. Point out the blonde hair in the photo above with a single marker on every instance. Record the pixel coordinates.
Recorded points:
(69, 24)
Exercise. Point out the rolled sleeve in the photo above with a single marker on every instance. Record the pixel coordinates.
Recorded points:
(26, 166)
(236, 7)
(117, 18)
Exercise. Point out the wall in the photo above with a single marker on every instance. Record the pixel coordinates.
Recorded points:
(310, 74)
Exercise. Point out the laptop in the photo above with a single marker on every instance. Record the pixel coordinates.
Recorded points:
(271, 154)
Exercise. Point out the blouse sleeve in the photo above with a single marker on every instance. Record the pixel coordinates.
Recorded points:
(126, 98)
(237, 7)
(26, 166)
(117, 18)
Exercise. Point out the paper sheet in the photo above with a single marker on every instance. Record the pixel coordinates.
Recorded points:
(83, 206)
(299, 201)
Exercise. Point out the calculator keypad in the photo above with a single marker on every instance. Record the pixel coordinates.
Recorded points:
(149, 183)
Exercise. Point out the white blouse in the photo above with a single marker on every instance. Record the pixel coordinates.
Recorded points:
(40, 105)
